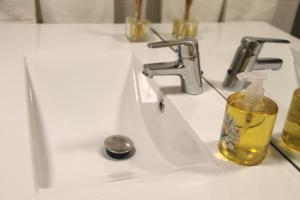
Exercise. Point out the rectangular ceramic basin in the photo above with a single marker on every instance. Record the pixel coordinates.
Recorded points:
(76, 100)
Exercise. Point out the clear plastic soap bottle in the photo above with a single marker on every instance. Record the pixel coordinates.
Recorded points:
(248, 122)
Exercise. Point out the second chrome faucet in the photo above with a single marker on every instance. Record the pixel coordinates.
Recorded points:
(187, 67)
(246, 59)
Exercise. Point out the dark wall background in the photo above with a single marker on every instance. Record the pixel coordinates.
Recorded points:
(296, 26)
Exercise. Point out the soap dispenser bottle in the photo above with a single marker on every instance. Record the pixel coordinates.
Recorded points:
(248, 122)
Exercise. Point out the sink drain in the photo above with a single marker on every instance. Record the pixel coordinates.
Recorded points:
(119, 147)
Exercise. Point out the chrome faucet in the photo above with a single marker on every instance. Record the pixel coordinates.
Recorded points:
(246, 60)
(187, 67)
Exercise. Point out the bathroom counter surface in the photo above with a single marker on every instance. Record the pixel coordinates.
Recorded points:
(275, 178)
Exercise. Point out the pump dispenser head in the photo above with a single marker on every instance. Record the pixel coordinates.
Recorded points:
(254, 91)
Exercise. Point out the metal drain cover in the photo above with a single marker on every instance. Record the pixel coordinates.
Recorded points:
(119, 147)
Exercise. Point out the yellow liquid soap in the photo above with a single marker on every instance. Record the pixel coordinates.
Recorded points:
(246, 131)
(291, 130)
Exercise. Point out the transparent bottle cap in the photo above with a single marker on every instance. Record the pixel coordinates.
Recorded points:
(254, 91)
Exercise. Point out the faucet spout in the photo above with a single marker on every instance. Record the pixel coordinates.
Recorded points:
(268, 63)
(162, 69)
(161, 65)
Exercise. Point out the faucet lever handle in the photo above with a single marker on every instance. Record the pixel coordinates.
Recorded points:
(255, 44)
(273, 40)
(187, 48)
(260, 40)
(170, 43)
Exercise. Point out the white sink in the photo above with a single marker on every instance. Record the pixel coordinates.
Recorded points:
(77, 99)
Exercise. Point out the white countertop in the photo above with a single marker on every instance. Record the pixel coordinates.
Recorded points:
(275, 178)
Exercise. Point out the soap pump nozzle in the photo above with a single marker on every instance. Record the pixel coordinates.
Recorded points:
(254, 91)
